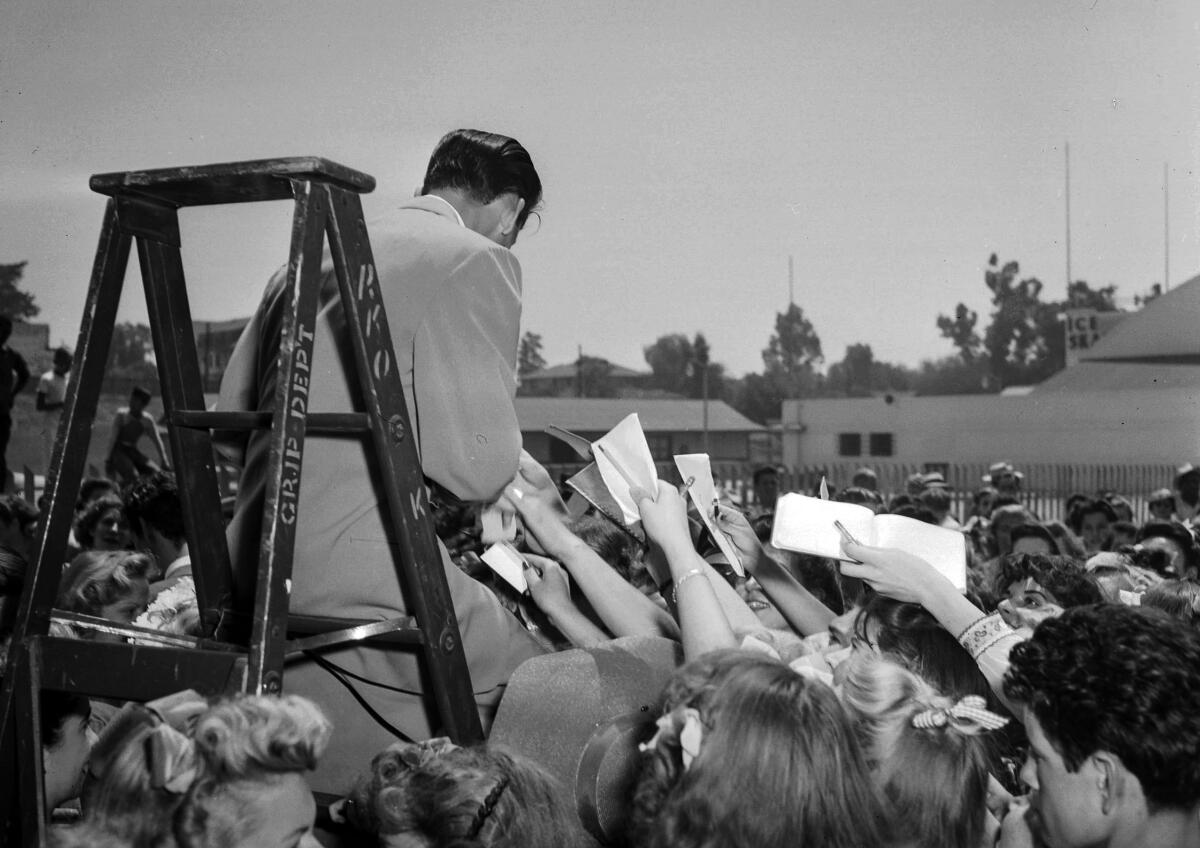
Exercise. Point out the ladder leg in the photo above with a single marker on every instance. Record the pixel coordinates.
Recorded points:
(269, 629)
(32, 789)
(70, 456)
(420, 566)
(179, 372)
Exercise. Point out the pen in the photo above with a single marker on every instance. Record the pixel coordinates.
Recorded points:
(845, 533)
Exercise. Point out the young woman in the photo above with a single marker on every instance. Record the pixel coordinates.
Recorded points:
(103, 526)
(750, 754)
(113, 585)
(179, 772)
(434, 794)
(927, 752)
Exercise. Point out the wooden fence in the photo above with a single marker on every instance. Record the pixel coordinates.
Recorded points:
(1044, 489)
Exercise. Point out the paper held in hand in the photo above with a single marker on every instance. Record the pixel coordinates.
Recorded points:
(697, 467)
(624, 460)
(805, 525)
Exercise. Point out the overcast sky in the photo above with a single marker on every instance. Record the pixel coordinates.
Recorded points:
(686, 149)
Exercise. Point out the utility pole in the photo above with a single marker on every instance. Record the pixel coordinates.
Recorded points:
(579, 373)
(1166, 233)
(1068, 145)
(791, 281)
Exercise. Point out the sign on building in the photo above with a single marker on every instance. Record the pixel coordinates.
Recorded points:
(1085, 327)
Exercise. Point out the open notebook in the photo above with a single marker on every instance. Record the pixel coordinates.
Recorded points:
(806, 525)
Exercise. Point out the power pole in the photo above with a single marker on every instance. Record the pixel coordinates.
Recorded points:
(1068, 145)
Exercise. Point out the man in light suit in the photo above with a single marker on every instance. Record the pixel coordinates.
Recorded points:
(452, 294)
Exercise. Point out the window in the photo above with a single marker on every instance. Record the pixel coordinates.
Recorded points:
(881, 444)
(849, 444)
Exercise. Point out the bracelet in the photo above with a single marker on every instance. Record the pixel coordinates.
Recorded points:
(685, 578)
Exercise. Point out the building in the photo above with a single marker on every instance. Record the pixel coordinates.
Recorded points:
(1132, 399)
(671, 426)
(214, 345)
(564, 380)
(32, 341)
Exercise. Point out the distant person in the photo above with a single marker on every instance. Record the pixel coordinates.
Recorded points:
(865, 478)
(125, 458)
(1187, 493)
(1161, 505)
(1004, 479)
(155, 515)
(14, 374)
(51, 395)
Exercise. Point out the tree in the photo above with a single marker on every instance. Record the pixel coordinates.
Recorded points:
(679, 365)
(594, 377)
(13, 302)
(670, 358)
(960, 330)
(792, 354)
(1155, 292)
(132, 345)
(529, 354)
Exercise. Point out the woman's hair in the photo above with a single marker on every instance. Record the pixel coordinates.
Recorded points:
(1177, 598)
(95, 579)
(1177, 533)
(934, 778)
(55, 708)
(1075, 517)
(89, 517)
(912, 637)
(778, 764)
(1064, 578)
(1035, 531)
(199, 793)
(614, 546)
(444, 795)
(1068, 543)
(243, 744)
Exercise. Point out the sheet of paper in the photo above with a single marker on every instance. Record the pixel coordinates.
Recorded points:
(944, 549)
(503, 559)
(805, 524)
(624, 459)
(697, 467)
(497, 524)
(589, 485)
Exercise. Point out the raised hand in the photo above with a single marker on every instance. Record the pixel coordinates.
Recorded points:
(664, 516)
(893, 572)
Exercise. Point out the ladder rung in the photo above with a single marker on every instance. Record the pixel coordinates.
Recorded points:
(230, 182)
(132, 673)
(335, 631)
(317, 422)
(110, 628)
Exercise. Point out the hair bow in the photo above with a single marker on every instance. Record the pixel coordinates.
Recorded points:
(170, 749)
(415, 755)
(970, 713)
(688, 729)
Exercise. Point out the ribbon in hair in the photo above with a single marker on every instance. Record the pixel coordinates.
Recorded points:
(688, 729)
(415, 755)
(970, 712)
(485, 809)
(170, 749)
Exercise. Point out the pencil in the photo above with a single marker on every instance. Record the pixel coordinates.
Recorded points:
(629, 481)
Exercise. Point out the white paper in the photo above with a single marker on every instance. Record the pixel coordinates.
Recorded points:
(505, 561)
(698, 468)
(626, 444)
(497, 524)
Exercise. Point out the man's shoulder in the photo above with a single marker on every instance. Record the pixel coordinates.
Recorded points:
(414, 238)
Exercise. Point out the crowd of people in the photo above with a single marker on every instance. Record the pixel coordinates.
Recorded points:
(864, 701)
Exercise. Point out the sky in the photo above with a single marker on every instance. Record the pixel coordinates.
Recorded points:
(686, 149)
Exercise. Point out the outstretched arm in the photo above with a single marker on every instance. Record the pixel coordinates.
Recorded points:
(624, 610)
(702, 619)
(799, 607)
(550, 591)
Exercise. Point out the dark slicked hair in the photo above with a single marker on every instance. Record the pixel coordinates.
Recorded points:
(153, 501)
(1118, 679)
(484, 166)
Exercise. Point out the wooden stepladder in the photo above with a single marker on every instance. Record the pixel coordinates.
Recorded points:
(242, 649)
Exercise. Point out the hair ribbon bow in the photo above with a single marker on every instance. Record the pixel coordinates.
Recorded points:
(970, 712)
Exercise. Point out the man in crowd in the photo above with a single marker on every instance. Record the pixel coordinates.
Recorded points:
(14, 374)
(156, 517)
(452, 295)
(1187, 492)
(1111, 703)
(51, 395)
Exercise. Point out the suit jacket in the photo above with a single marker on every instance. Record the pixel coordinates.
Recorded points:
(453, 304)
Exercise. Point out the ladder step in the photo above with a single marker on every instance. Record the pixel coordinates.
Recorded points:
(317, 422)
(230, 182)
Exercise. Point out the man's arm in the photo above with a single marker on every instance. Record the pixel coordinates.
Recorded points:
(464, 364)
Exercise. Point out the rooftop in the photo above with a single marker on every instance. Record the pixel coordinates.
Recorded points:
(602, 414)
